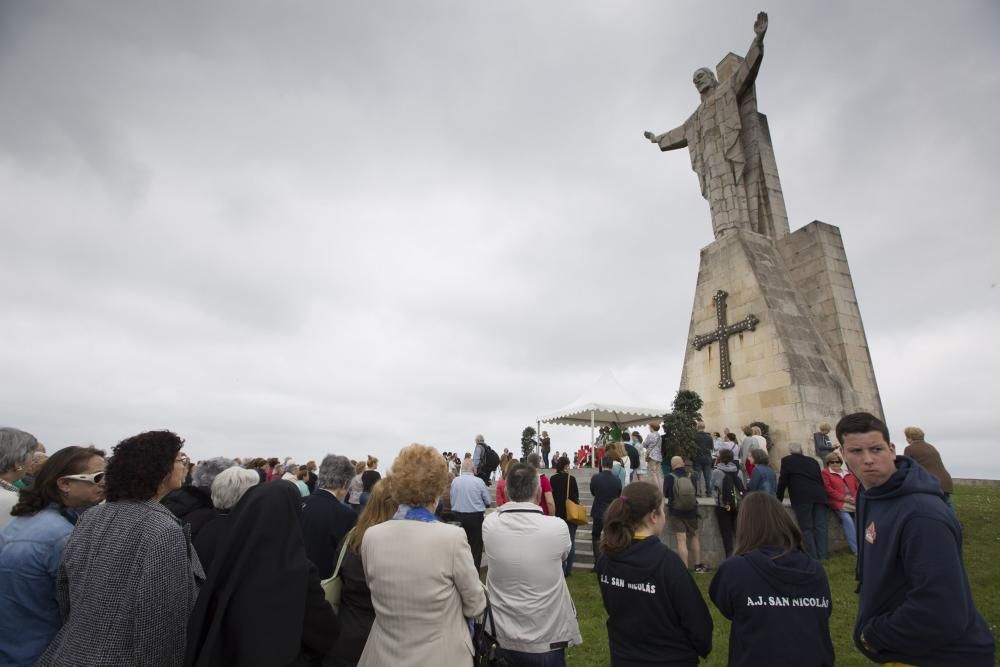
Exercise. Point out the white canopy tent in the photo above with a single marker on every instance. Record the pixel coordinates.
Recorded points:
(605, 402)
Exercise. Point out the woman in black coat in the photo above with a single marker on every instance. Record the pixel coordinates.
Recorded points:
(262, 603)
(563, 482)
(356, 613)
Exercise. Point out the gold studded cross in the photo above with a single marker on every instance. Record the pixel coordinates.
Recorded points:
(722, 333)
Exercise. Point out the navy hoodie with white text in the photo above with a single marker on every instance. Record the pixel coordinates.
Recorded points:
(656, 615)
(770, 597)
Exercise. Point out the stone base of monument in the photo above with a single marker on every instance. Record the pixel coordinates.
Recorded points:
(710, 539)
(795, 352)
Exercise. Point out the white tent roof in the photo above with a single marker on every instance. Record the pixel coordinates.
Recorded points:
(608, 402)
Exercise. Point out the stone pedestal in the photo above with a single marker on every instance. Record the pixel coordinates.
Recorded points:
(807, 359)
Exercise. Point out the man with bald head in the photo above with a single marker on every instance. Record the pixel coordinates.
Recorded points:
(469, 500)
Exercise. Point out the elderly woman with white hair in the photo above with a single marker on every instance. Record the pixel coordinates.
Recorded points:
(192, 503)
(16, 448)
(228, 488)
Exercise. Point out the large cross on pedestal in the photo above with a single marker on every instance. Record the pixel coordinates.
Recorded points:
(722, 333)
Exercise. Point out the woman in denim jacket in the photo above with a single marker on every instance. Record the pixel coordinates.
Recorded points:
(32, 544)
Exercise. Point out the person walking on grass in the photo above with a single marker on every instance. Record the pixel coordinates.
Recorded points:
(682, 507)
(656, 614)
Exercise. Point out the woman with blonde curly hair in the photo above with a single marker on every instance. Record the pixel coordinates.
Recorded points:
(420, 572)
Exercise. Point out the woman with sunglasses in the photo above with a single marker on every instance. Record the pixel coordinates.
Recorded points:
(842, 493)
(32, 544)
(129, 576)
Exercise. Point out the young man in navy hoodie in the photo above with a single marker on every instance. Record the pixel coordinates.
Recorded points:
(915, 605)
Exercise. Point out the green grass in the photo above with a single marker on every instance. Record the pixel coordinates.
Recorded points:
(979, 511)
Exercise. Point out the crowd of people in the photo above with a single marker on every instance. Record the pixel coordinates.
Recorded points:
(141, 557)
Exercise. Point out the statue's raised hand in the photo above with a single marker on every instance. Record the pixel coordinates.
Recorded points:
(650, 136)
(760, 25)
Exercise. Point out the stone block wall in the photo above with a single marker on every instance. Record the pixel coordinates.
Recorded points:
(817, 265)
(710, 539)
(807, 361)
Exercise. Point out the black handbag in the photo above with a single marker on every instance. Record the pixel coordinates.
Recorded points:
(488, 653)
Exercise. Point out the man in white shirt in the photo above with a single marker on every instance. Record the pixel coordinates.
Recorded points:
(534, 614)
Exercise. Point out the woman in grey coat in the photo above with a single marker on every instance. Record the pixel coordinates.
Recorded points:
(129, 577)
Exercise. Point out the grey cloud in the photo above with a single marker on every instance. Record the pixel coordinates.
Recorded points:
(346, 227)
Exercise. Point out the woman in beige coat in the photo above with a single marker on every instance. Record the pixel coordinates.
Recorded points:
(420, 573)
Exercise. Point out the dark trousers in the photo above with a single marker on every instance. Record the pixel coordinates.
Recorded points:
(472, 523)
(727, 523)
(703, 466)
(595, 535)
(555, 658)
(545, 458)
(813, 519)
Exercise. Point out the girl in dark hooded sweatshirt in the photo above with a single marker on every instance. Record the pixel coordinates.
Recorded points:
(656, 615)
(772, 590)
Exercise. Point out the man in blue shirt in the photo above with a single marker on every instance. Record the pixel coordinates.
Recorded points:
(469, 500)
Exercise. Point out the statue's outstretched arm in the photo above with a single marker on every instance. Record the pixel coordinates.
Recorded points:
(668, 141)
(747, 72)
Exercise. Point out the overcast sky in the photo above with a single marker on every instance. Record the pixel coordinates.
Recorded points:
(297, 228)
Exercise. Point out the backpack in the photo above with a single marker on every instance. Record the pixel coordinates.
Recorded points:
(489, 461)
(684, 499)
(732, 491)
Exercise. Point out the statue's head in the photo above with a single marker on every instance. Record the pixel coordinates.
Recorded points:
(704, 80)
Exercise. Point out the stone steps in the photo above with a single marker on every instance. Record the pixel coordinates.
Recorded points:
(711, 541)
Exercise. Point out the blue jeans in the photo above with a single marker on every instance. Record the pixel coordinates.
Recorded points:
(705, 467)
(568, 563)
(847, 521)
(813, 524)
(555, 658)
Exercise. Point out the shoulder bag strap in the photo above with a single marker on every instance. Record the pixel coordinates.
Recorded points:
(343, 550)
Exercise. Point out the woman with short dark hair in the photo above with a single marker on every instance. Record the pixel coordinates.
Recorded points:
(129, 576)
(32, 545)
(772, 590)
(656, 615)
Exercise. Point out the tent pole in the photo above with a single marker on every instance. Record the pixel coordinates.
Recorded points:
(538, 437)
(593, 445)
